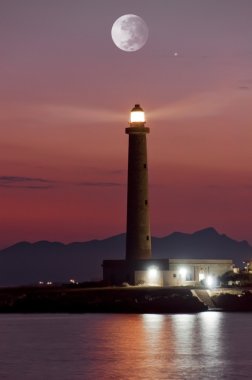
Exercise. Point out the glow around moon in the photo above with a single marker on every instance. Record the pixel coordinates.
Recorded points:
(129, 33)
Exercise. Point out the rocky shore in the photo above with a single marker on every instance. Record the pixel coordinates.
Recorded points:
(65, 299)
(99, 300)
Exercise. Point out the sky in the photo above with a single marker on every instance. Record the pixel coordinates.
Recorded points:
(66, 92)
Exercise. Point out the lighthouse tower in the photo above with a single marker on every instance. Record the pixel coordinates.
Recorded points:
(138, 238)
(138, 267)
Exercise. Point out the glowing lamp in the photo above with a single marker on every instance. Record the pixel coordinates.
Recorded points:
(137, 115)
(210, 282)
(152, 273)
(183, 272)
(153, 276)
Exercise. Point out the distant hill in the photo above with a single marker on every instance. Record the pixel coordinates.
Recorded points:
(26, 263)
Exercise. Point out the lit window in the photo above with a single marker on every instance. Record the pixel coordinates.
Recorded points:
(201, 276)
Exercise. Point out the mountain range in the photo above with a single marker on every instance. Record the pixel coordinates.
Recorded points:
(28, 263)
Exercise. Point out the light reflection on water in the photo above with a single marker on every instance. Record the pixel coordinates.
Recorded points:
(198, 345)
(210, 345)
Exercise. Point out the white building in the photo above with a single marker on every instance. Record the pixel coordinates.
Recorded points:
(183, 272)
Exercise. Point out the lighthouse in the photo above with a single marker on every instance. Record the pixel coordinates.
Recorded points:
(138, 267)
(138, 237)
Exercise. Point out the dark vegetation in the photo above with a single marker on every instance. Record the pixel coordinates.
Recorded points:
(243, 279)
(234, 302)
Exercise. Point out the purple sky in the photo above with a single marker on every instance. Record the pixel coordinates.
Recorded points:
(65, 96)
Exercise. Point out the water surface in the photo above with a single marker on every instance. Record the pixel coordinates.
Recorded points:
(209, 345)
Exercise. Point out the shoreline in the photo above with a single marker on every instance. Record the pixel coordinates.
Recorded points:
(66, 299)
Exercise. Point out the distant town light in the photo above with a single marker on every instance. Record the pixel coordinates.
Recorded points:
(137, 115)
(72, 281)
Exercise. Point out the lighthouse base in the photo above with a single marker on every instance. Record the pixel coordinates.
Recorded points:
(165, 272)
(135, 272)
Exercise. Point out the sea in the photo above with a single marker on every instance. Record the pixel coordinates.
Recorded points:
(207, 345)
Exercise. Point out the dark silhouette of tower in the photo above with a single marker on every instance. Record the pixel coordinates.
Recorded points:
(138, 238)
(138, 266)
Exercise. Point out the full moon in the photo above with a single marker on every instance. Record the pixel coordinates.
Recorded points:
(129, 33)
